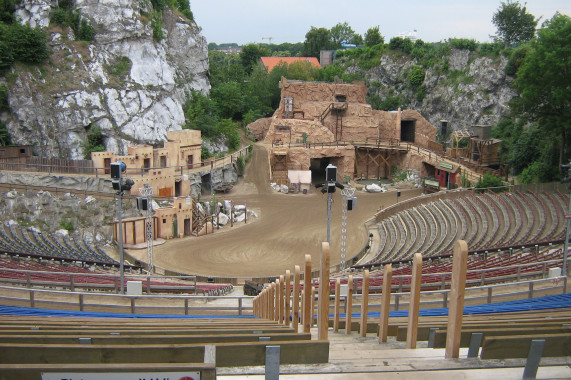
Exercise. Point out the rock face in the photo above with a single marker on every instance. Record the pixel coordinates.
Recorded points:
(125, 82)
(473, 90)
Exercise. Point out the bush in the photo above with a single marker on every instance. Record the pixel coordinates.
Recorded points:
(491, 182)
(157, 25)
(27, 45)
(67, 225)
(400, 43)
(464, 43)
(86, 31)
(416, 76)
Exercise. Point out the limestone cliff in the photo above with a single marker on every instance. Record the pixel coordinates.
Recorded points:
(125, 82)
(463, 87)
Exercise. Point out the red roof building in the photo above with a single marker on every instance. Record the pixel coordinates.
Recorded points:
(271, 62)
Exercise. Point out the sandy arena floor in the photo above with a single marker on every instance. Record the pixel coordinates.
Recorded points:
(288, 227)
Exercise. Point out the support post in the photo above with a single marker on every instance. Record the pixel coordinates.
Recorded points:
(533, 358)
(337, 304)
(385, 303)
(295, 298)
(365, 303)
(457, 291)
(272, 371)
(414, 304)
(287, 297)
(281, 299)
(349, 303)
(323, 314)
(279, 304)
(274, 301)
(307, 295)
(312, 321)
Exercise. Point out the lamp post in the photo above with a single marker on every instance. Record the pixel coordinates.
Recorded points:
(120, 184)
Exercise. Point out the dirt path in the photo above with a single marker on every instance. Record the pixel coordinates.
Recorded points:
(288, 227)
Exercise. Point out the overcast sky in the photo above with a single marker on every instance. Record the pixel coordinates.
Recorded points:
(245, 21)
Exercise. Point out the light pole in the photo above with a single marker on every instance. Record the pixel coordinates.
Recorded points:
(120, 184)
(329, 188)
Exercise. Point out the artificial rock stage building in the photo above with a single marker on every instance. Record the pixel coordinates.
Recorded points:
(320, 123)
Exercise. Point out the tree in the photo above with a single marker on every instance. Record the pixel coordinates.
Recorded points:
(229, 99)
(514, 24)
(543, 81)
(250, 56)
(316, 39)
(341, 32)
(373, 37)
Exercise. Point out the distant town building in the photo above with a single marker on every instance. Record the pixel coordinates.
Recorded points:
(413, 36)
(271, 62)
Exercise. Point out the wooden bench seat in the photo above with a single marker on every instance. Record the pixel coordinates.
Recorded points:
(517, 346)
(466, 335)
(34, 371)
(227, 354)
(98, 339)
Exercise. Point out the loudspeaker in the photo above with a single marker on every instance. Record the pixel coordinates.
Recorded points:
(351, 203)
(115, 170)
(142, 204)
(331, 173)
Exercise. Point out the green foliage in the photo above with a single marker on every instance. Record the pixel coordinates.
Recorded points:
(120, 67)
(229, 130)
(22, 43)
(373, 37)
(340, 33)
(463, 43)
(184, 8)
(229, 99)
(5, 136)
(399, 43)
(543, 82)
(157, 25)
(67, 225)
(158, 5)
(490, 182)
(4, 97)
(416, 76)
(65, 16)
(516, 59)
(250, 56)
(513, 23)
(7, 9)
(316, 39)
(86, 31)
(241, 165)
(94, 142)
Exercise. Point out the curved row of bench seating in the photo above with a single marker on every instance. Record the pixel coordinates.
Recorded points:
(485, 221)
(23, 270)
(14, 238)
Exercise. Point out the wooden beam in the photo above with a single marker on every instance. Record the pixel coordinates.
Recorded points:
(364, 304)
(337, 304)
(385, 303)
(287, 297)
(457, 291)
(414, 304)
(349, 303)
(307, 295)
(323, 324)
(295, 297)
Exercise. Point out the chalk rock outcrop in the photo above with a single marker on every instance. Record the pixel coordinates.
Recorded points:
(125, 82)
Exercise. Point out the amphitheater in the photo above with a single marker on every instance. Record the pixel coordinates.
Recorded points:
(63, 312)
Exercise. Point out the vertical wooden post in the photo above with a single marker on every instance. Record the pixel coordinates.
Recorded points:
(287, 297)
(302, 307)
(295, 298)
(323, 314)
(385, 303)
(337, 304)
(281, 300)
(307, 295)
(365, 303)
(349, 303)
(414, 304)
(312, 307)
(274, 302)
(456, 309)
